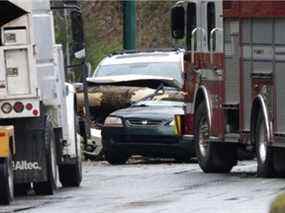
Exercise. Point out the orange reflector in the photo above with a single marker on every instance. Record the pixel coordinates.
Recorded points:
(2, 134)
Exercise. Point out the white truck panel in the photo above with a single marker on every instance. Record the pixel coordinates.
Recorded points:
(47, 81)
(16, 32)
(44, 37)
(19, 79)
(25, 5)
(65, 104)
(15, 37)
(17, 71)
(70, 118)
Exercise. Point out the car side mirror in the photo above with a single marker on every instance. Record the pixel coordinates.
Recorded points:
(178, 22)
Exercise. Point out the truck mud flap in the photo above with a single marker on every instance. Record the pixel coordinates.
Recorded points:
(29, 164)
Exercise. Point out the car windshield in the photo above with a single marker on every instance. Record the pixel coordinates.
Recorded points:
(160, 103)
(165, 69)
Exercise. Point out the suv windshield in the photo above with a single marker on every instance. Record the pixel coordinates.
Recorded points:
(165, 69)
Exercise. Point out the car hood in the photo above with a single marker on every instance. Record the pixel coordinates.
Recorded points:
(135, 80)
(149, 112)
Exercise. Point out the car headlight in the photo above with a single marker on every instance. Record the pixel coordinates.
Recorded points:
(113, 121)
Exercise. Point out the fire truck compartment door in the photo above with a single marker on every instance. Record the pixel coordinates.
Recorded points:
(17, 71)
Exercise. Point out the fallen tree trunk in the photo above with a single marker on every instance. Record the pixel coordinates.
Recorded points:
(104, 100)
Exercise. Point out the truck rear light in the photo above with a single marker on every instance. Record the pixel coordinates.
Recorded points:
(6, 108)
(29, 106)
(18, 107)
(35, 112)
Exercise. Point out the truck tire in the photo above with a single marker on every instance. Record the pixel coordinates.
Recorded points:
(48, 187)
(212, 157)
(116, 158)
(6, 181)
(264, 153)
(70, 175)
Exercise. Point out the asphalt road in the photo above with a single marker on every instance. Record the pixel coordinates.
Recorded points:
(158, 187)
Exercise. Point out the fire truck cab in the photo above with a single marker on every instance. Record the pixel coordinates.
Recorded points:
(233, 81)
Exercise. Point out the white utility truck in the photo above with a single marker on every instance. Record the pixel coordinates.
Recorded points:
(38, 124)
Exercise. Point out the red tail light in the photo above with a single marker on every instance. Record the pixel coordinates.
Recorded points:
(35, 112)
(29, 106)
(18, 107)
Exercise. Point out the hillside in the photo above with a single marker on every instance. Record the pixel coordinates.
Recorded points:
(103, 26)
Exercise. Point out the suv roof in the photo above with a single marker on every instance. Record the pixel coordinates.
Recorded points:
(140, 56)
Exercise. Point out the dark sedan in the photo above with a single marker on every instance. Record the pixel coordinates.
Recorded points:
(146, 128)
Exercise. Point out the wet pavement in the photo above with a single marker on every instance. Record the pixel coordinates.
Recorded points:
(153, 187)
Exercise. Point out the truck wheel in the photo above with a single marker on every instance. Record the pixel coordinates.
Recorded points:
(48, 187)
(116, 158)
(264, 154)
(70, 175)
(212, 158)
(6, 181)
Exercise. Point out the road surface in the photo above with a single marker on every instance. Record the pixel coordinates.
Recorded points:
(154, 187)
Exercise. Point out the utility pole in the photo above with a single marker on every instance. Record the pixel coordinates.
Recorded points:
(129, 24)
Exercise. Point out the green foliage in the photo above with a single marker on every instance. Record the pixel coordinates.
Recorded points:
(103, 23)
(103, 26)
(98, 50)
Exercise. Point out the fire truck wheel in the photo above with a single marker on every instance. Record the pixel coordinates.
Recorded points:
(6, 180)
(116, 158)
(212, 158)
(48, 187)
(70, 175)
(264, 154)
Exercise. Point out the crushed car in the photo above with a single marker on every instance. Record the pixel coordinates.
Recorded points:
(126, 81)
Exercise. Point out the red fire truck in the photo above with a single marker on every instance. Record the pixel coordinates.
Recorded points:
(233, 84)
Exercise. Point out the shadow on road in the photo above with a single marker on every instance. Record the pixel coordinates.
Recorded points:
(144, 160)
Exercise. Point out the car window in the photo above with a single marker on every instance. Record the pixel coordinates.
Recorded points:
(165, 69)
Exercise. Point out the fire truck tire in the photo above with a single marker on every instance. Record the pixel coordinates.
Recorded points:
(6, 180)
(116, 158)
(264, 154)
(48, 187)
(212, 157)
(70, 175)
